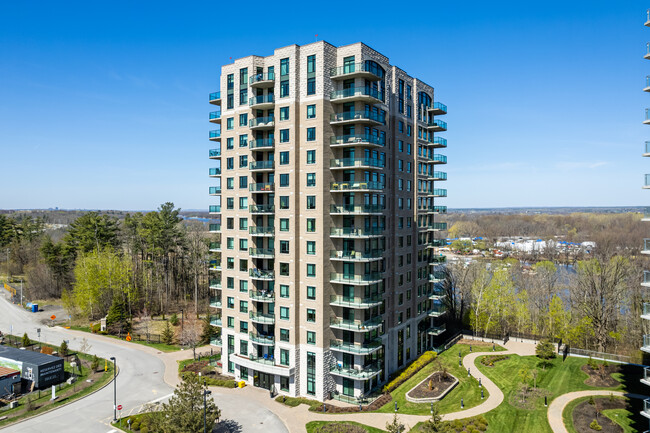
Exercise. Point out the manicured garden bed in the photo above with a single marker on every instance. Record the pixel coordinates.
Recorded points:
(340, 427)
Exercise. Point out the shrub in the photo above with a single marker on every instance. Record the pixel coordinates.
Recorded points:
(144, 430)
(25, 340)
(135, 425)
(417, 365)
(63, 350)
(340, 428)
(492, 359)
(545, 350)
(592, 364)
(592, 401)
(94, 364)
(168, 334)
(174, 320)
(595, 426)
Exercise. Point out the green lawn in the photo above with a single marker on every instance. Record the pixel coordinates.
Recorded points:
(467, 388)
(631, 422)
(159, 346)
(312, 426)
(560, 378)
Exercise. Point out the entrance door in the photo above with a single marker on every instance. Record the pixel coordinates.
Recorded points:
(266, 380)
(348, 387)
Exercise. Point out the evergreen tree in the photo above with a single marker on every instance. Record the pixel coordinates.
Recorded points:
(208, 331)
(26, 340)
(63, 349)
(435, 423)
(184, 411)
(395, 426)
(94, 364)
(168, 334)
(117, 320)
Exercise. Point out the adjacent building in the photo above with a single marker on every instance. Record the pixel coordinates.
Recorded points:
(38, 368)
(646, 242)
(326, 270)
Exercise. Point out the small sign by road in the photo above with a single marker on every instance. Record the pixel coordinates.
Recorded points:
(119, 407)
(52, 317)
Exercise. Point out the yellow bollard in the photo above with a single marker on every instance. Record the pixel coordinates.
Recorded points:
(105, 365)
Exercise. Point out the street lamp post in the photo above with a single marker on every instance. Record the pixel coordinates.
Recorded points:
(21, 292)
(114, 390)
(206, 393)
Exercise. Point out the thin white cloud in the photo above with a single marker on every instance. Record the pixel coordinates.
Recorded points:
(569, 165)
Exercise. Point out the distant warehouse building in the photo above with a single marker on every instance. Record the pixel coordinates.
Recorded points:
(41, 369)
(8, 378)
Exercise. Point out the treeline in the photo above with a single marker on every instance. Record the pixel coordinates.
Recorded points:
(148, 262)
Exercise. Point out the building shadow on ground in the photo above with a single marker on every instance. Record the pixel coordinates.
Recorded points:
(227, 426)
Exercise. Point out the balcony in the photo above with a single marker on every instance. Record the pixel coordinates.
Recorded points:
(436, 192)
(215, 190)
(438, 175)
(261, 274)
(261, 187)
(267, 319)
(261, 339)
(261, 166)
(646, 344)
(361, 70)
(215, 154)
(433, 209)
(356, 325)
(647, 84)
(262, 144)
(437, 142)
(646, 151)
(646, 246)
(215, 117)
(646, 409)
(215, 172)
(436, 310)
(346, 163)
(437, 330)
(356, 210)
(438, 109)
(262, 295)
(371, 301)
(215, 321)
(351, 117)
(437, 125)
(646, 279)
(345, 186)
(646, 185)
(647, 52)
(215, 98)
(260, 123)
(437, 294)
(265, 364)
(434, 226)
(214, 209)
(646, 376)
(362, 280)
(357, 140)
(215, 135)
(647, 21)
(364, 373)
(214, 265)
(214, 228)
(215, 302)
(262, 80)
(437, 260)
(646, 311)
(364, 94)
(261, 253)
(215, 284)
(261, 231)
(262, 102)
(214, 247)
(350, 232)
(438, 242)
(436, 277)
(357, 256)
(216, 341)
(365, 348)
(261, 208)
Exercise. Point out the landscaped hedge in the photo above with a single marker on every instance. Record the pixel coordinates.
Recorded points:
(211, 381)
(406, 374)
(492, 359)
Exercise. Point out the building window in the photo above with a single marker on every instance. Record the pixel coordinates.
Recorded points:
(284, 113)
(230, 263)
(284, 247)
(243, 202)
(230, 302)
(311, 225)
(243, 161)
(230, 282)
(284, 291)
(243, 140)
(311, 270)
(243, 265)
(230, 143)
(311, 202)
(311, 373)
(230, 123)
(311, 179)
(243, 97)
(311, 111)
(311, 157)
(284, 383)
(230, 163)
(311, 86)
(284, 158)
(311, 315)
(243, 347)
(243, 244)
(243, 286)
(231, 322)
(284, 66)
(284, 202)
(243, 119)
(311, 247)
(311, 337)
(284, 313)
(284, 334)
(284, 224)
(244, 373)
(243, 306)
(311, 64)
(311, 134)
(284, 269)
(243, 181)
(230, 203)
(284, 357)
(243, 328)
(284, 136)
(284, 88)
(284, 179)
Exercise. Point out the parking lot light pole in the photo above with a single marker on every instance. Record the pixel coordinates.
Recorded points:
(114, 390)
(206, 392)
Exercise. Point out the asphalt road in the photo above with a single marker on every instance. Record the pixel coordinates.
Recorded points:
(140, 378)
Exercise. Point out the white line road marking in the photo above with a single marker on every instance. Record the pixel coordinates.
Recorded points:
(161, 398)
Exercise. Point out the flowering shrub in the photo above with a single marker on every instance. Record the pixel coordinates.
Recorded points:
(406, 374)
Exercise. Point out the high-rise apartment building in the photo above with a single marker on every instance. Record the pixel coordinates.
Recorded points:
(326, 263)
(646, 242)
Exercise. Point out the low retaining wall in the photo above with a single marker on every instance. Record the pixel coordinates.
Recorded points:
(430, 399)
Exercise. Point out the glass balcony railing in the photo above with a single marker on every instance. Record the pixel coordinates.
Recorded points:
(437, 259)
(647, 81)
(215, 208)
(268, 340)
(357, 302)
(438, 124)
(357, 162)
(647, 147)
(261, 165)
(261, 121)
(646, 309)
(646, 342)
(352, 68)
(215, 246)
(356, 233)
(215, 320)
(214, 96)
(260, 230)
(261, 208)
(266, 359)
(369, 278)
(358, 139)
(356, 92)
(215, 153)
(646, 246)
(215, 133)
(261, 99)
(437, 209)
(356, 325)
(215, 172)
(363, 373)
(358, 348)
(434, 277)
(263, 186)
(646, 277)
(352, 209)
(646, 408)
(214, 265)
(261, 318)
(437, 310)
(439, 107)
(262, 142)
(214, 227)
(215, 190)
(261, 252)
(439, 175)
(440, 158)
(358, 115)
(647, 180)
(439, 141)
(261, 274)
(647, 49)
(437, 242)
(215, 302)
(214, 115)
(646, 374)
(438, 192)
(215, 284)
(437, 330)
(352, 186)
(356, 255)
(436, 293)
(262, 295)
(216, 341)
(257, 78)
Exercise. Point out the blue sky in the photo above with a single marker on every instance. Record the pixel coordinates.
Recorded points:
(104, 105)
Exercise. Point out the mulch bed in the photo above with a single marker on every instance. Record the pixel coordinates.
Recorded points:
(205, 369)
(375, 405)
(440, 384)
(584, 414)
(475, 343)
(599, 380)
